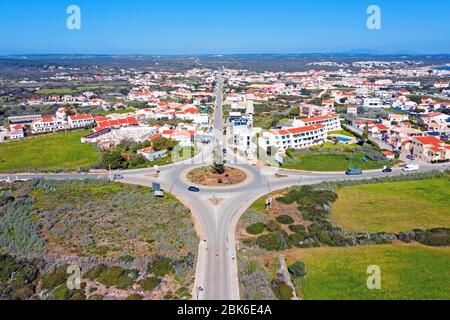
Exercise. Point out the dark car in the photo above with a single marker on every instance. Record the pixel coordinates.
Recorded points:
(118, 177)
(194, 189)
(387, 170)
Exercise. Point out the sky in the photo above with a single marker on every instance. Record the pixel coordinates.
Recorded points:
(223, 27)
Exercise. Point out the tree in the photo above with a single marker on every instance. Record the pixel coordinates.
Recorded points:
(218, 168)
(366, 132)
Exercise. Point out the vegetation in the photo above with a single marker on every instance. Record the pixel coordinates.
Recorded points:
(48, 153)
(407, 272)
(108, 229)
(256, 228)
(329, 261)
(393, 207)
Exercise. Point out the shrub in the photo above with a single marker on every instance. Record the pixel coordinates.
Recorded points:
(149, 284)
(285, 219)
(298, 269)
(160, 267)
(52, 280)
(134, 297)
(95, 272)
(96, 297)
(282, 291)
(297, 228)
(111, 276)
(275, 241)
(256, 228)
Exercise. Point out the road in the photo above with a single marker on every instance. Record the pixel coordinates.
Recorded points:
(217, 274)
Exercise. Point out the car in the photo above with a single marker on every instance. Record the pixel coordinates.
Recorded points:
(387, 170)
(193, 189)
(118, 177)
(411, 167)
(353, 172)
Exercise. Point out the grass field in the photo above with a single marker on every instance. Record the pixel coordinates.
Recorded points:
(394, 207)
(407, 272)
(330, 162)
(59, 151)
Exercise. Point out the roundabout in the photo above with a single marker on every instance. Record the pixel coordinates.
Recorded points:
(208, 177)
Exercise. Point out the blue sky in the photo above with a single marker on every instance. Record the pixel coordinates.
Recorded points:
(231, 26)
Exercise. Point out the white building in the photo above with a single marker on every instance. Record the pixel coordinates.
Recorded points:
(293, 138)
(81, 121)
(330, 122)
(48, 124)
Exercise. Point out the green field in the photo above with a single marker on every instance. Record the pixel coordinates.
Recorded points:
(407, 272)
(59, 151)
(336, 161)
(394, 207)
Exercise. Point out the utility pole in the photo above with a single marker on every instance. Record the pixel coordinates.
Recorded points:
(110, 174)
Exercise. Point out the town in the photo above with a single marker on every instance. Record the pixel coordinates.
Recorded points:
(399, 110)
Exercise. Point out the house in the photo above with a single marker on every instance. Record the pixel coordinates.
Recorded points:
(328, 104)
(429, 149)
(400, 135)
(151, 155)
(16, 132)
(309, 110)
(389, 155)
(398, 117)
(48, 124)
(81, 121)
(441, 85)
(373, 103)
(352, 110)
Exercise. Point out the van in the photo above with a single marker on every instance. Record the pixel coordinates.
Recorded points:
(353, 172)
(411, 167)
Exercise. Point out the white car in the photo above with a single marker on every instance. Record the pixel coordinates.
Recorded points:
(411, 167)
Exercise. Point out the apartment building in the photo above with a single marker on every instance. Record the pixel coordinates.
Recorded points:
(330, 122)
(293, 138)
(48, 124)
(81, 121)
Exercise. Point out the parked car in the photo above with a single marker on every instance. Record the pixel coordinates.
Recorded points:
(194, 189)
(118, 177)
(411, 167)
(353, 172)
(387, 170)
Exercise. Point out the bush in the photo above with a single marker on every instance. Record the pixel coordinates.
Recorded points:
(298, 269)
(285, 219)
(149, 284)
(54, 279)
(111, 276)
(275, 241)
(256, 228)
(282, 291)
(95, 272)
(134, 297)
(297, 228)
(160, 267)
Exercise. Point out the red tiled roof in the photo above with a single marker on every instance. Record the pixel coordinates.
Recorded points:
(119, 122)
(320, 118)
(81, 117)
